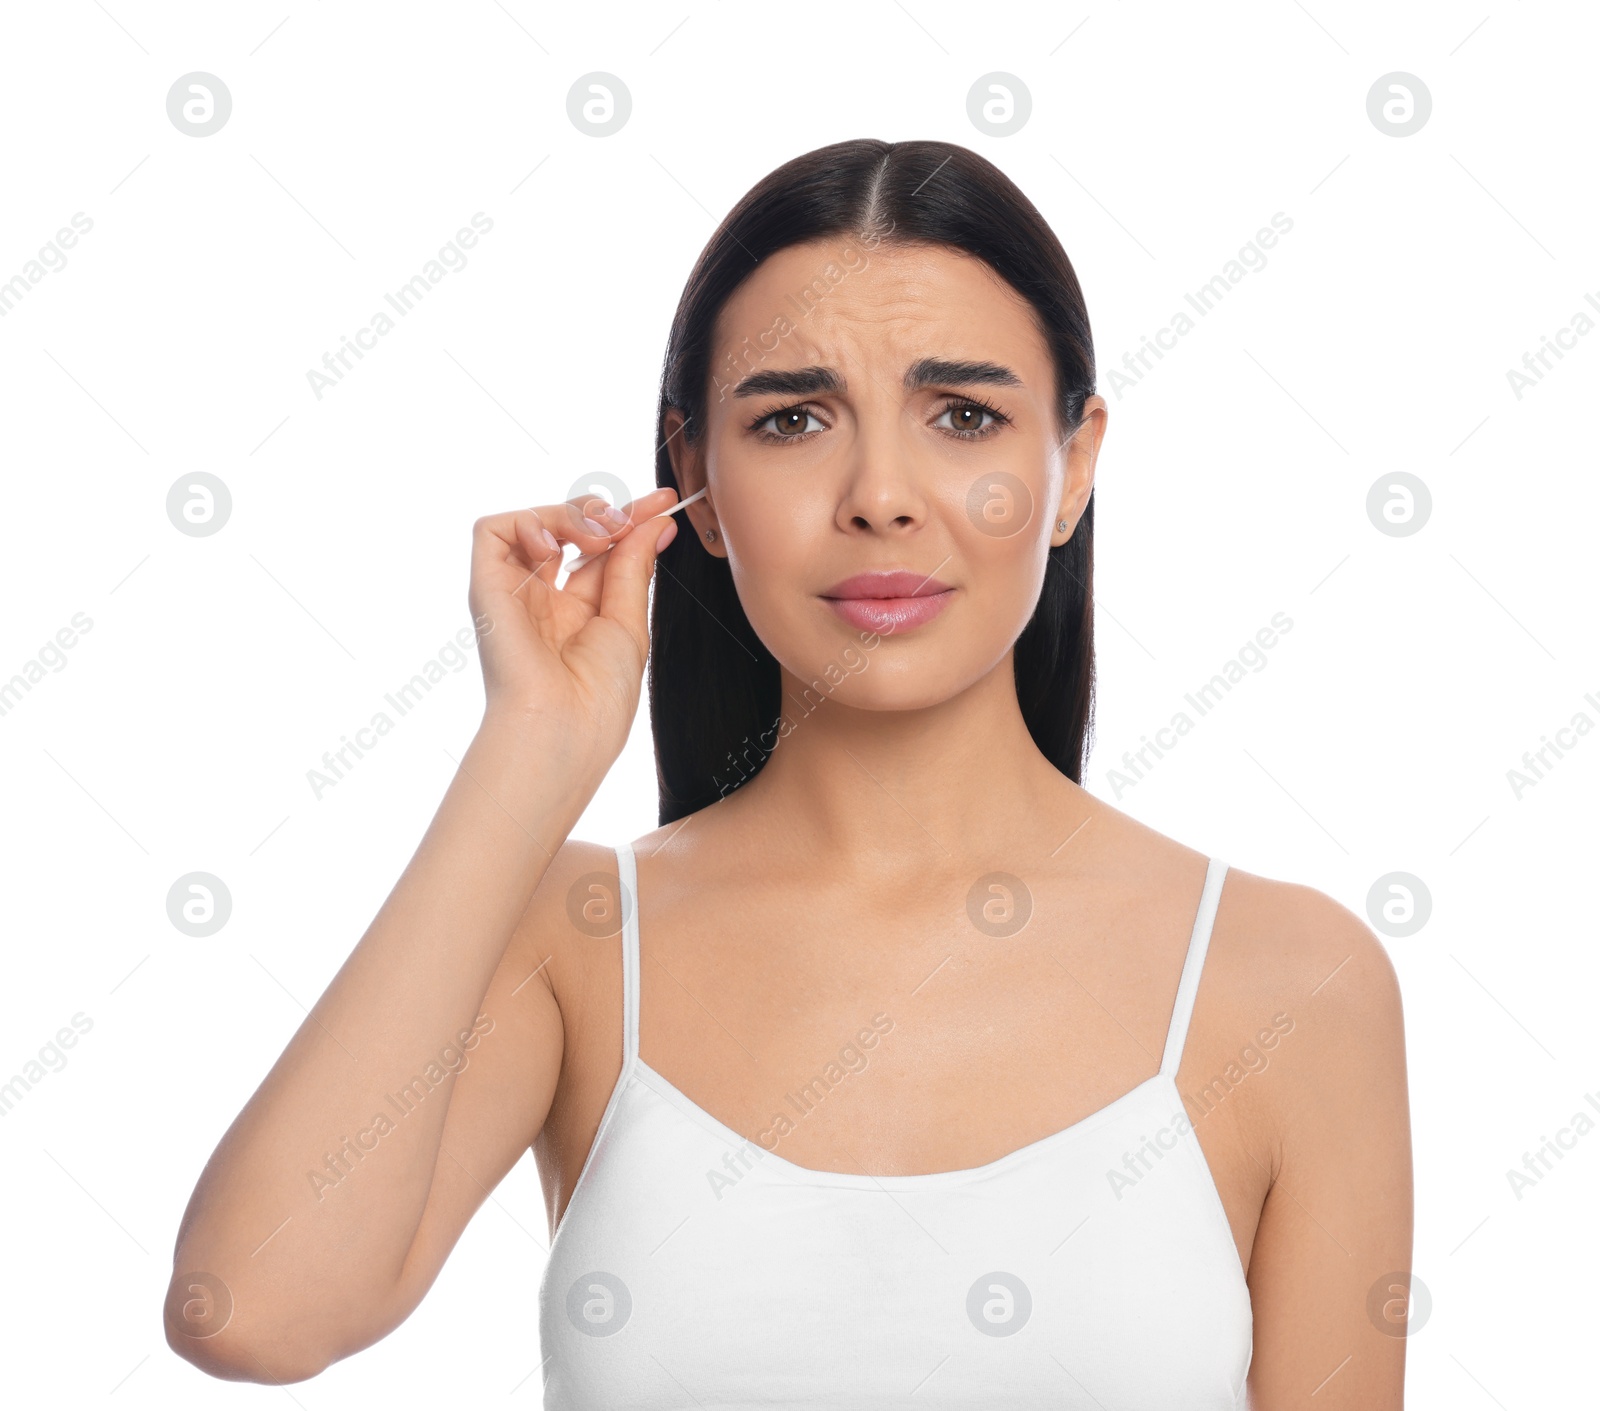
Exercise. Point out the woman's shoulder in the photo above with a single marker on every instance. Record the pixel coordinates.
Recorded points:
(575, 875)
(1296, 986)
(1288, 949)
(1289, 959)
(1294, 939)
(576, 902)
(1283, 950)
(1300, 940)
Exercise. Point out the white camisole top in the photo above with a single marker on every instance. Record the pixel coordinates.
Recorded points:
(1093, 1269)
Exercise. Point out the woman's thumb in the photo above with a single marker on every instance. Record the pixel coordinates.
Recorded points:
(625, 593)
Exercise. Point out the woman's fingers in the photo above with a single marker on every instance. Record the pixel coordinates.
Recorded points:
(647, 509)
(540, 548)
(518, 543)
(521, 533)
(509, 548)
(624, 593)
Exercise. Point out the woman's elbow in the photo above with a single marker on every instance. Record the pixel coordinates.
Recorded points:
(205, 1328)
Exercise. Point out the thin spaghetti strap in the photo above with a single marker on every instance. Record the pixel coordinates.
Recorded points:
(1194, 962)
(628, 876)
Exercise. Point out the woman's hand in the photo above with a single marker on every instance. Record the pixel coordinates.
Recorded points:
(573, 656)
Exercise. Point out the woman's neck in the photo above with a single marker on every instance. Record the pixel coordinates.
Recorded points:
(888, 791)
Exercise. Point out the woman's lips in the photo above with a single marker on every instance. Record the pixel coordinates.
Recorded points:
(889, 600)
(891, 615)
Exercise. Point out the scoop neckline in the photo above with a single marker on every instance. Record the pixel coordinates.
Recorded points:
(917, 1180)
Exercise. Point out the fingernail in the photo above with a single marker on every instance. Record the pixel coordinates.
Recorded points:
(613, 516)
(595, 527)
(550, 541)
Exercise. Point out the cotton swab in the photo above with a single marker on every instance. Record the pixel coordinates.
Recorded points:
(582, 559)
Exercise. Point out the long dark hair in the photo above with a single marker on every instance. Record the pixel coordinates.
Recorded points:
(714, 687)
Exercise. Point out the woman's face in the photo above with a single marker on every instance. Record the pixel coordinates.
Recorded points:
(905, 426)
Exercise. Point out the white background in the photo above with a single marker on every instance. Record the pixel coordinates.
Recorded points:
(1233, 485)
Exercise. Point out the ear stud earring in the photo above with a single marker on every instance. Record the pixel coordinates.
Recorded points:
(1061, 524)
(711, 535)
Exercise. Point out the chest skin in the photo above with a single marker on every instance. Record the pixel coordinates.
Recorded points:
(988, 1042)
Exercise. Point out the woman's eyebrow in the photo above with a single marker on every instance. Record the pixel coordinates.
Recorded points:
(925, 372)
(796, 382)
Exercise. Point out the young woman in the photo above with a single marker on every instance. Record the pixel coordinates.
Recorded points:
(894, 1068)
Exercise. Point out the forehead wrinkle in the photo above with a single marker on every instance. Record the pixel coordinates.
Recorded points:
(753, 310)
(905, 306)
(920, 372)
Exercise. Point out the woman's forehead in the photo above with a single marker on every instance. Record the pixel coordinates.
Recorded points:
(805, 306)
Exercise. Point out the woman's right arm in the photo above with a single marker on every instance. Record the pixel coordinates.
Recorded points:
(330, 1204)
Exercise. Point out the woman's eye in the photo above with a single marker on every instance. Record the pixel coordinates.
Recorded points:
(788, 424)
(966, 419)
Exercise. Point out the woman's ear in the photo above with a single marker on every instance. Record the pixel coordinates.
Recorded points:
(679, 452)
(1081, 454)
(688, 469)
